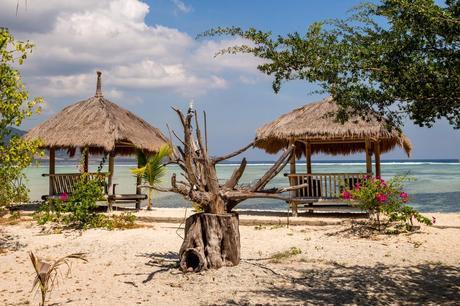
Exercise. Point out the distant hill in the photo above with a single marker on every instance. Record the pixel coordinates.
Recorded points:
(14, 131)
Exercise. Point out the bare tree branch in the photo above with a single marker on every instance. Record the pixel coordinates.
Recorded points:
(236, 175)
(274, 170)
(225, 157)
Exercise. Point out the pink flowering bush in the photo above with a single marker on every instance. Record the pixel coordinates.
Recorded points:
(380, 197)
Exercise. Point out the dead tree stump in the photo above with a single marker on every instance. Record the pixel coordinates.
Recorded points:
(211, 241)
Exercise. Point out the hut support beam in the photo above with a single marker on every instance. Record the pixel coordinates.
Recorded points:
(52, 169)
(308, 157)
(138, 189)
(292, 169)
(368, 157)
(86, 160)
(111, 170)
(377, 158)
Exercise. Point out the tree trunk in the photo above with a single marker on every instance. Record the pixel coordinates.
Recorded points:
(211, 241)
(150, 199)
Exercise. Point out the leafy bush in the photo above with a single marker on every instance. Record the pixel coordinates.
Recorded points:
(82, 203)
(16, 153)
(377, 197)
(78, 209)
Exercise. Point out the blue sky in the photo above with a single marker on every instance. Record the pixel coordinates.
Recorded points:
(151, 61)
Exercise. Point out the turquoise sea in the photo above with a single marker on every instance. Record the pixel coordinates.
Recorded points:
(436, 188)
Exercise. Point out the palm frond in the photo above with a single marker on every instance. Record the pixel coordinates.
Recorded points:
(154, 169)
(138, 171)
(46, 273)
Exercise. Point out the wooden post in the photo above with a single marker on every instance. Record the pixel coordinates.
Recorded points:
(86, 160)
(368, 156)
(377, 158)
(292, 180)
(292, 160)
(111, 169)
(138, 183)
(308, 157)
(52, 169)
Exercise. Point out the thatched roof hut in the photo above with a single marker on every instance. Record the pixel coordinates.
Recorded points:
(315, 124)
(99, 125)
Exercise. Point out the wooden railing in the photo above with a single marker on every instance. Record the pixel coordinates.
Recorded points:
(323, 185)
(65, 182)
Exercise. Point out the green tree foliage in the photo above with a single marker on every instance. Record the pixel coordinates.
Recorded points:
(399, 58)
(15, 105)
(152, 171)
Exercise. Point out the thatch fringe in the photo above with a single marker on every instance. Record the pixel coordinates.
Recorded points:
(314, 123)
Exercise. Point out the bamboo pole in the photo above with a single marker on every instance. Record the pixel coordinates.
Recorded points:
(52, 169)
(308, 157)
(377, 158)
(368, 156)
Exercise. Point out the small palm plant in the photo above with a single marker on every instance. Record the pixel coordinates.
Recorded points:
(46, 273)
(152, 171)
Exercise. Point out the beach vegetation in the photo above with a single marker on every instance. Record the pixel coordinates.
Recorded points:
(384, 198)
(82, 203)
(398, 58)
(46, 274)
(152, 170)
(279, 256)
(15, 105)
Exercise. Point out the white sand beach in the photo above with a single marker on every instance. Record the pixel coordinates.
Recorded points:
(336, 265)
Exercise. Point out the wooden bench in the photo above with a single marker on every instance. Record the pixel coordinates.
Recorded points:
(124, 198)
(64, 183)
(323, 189)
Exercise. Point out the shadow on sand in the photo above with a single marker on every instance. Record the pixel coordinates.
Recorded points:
(381, 284)
(163, 261)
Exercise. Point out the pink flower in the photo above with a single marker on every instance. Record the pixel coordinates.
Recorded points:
(357, 186)
(404, 196)
(433, 220)
(63, 196)
(377, 177)
(346, 195)
(382, 198)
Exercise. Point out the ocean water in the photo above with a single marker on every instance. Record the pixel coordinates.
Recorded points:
(436, 188)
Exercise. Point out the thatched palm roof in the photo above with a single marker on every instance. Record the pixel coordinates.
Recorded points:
(313, 123)
(100, 125)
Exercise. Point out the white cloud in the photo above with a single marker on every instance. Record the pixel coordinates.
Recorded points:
(75, 38)
(182, 7)
(206, 54)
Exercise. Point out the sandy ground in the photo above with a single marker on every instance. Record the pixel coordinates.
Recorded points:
(337, 265)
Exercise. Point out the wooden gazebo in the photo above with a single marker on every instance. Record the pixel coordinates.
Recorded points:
(314, 129)
(99, 127)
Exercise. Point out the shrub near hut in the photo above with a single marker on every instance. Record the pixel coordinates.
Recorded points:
(16, 153)
(379, 197)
